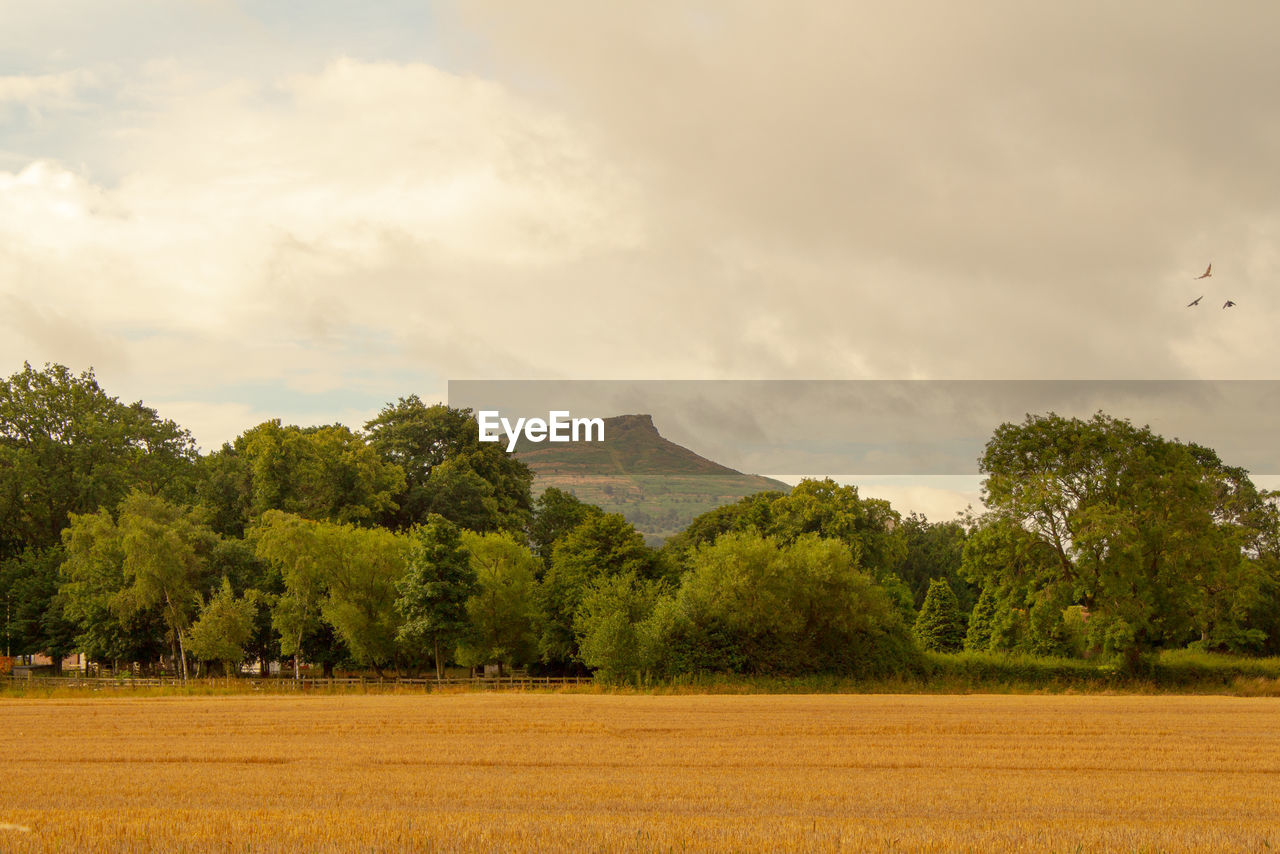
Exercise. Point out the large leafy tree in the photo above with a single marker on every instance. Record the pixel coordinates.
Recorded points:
(603, 545)
(35, 615)
(108, 629)
(868, 526)
(758, 604)
(1150, 535)
(164, 551)
(340, 576)
(67, 447)
(434, 591)
(119, 574)
(610, 625)
(502, 611)
(327, 474)
(448, 470)
(750, 513)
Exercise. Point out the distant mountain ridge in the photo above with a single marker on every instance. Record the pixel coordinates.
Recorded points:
(657, 485)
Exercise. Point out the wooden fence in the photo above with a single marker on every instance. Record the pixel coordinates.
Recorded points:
(285, 684)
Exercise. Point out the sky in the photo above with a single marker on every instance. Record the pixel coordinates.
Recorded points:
(237, 211)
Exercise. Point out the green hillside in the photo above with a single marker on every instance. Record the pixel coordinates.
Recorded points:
(657, 485)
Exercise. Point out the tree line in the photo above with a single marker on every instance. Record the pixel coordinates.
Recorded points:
(409, 544)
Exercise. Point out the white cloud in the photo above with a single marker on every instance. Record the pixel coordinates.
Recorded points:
(45, 89)
(686, 191)
(332, 227)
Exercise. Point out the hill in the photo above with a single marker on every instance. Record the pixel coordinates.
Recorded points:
(657, 485)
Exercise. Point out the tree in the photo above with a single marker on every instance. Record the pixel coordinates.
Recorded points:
(328, 474)
(435, 590)
(868, 526)
(250, 576)
(609, 624)
(293, 544)
(1146, 533)
(223, 628)
(66, 448)
(448, 470)
(755, 604)
(502, 611)
(340, 575)
(93, 583)
(751, 513)
(36, 616)
(603, 545)
(555, 514)
(940, 626)
(977, 637)
(934, 550)
(162, 562)
(121, 575)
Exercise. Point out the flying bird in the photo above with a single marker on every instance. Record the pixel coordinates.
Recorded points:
(1208, 271)
(1228, 304)
(1195, 301)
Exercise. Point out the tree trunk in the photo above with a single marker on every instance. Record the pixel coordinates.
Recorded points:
(439, 665)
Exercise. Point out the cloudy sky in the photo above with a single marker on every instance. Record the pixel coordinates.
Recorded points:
(242, 210)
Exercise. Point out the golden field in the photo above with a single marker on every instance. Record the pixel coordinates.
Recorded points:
(551, 772)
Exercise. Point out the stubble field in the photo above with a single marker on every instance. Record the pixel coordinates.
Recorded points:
(548, 772)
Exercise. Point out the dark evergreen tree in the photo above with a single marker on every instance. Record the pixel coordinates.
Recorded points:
(434, 592)
(940, 626)
(978, 637)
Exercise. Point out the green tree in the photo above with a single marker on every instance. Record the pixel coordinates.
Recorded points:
(448, 470)
(328, 474)
(756, 604)
(108, 629)
(259, 580)
(1148, 534)
(751, 513)
(940, 625)
(978, 636)
(224, 627)
(555, 514)
(609, 624)
(502, 611)
(336, 574)
(934, 550)
(435, 590)
(295, 546)
(603, 545)
(152, 560)
(66, 447)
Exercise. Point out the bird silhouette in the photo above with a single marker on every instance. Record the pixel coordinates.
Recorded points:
(1208, 271)
(1195, 301)
(1228, 304)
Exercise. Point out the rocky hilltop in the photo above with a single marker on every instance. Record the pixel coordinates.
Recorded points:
(657, 485)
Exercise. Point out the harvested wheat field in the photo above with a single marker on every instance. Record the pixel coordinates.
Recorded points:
(640, 773)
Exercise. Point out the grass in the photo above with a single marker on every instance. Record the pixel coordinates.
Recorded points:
(537, 772)
(1173, 672)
